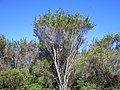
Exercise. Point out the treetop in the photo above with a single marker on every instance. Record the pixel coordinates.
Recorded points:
(63, 20)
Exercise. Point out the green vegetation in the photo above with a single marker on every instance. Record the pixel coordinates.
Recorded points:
(62, 34)
(54, 62)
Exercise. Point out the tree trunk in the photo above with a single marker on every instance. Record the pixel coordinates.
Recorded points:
(63, 86)
(63, 76)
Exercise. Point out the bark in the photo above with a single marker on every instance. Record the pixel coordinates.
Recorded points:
(63, 77)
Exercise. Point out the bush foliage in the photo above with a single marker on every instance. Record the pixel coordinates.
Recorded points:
(29, 65)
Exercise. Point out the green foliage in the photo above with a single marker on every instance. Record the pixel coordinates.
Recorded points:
(18, 79)
(23, 67)
(41, 67)
(83, 85)
(62, 34)
(35, 86)
(31, 79)
(63, 20)
(2, 41)
(13, 79)
(102, 63)
(41, 70)
(2, 45)
(99, 64)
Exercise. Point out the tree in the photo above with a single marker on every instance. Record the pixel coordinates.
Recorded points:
(103, 63)
(15, 54)
(2, 44)
(62, 34)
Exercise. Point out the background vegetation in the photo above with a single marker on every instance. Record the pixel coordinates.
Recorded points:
(28, 65)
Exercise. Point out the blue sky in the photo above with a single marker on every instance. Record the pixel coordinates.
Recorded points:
(17, 16)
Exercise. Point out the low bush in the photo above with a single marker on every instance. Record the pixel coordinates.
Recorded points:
(13, 79)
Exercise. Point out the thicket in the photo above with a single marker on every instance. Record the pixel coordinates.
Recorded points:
(29, 65)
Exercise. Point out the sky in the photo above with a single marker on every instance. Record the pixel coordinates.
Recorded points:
(17, 16)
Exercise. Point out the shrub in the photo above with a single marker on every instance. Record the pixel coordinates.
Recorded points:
(84, 85)
(13, 79)
(42, 74)
(35, 86)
